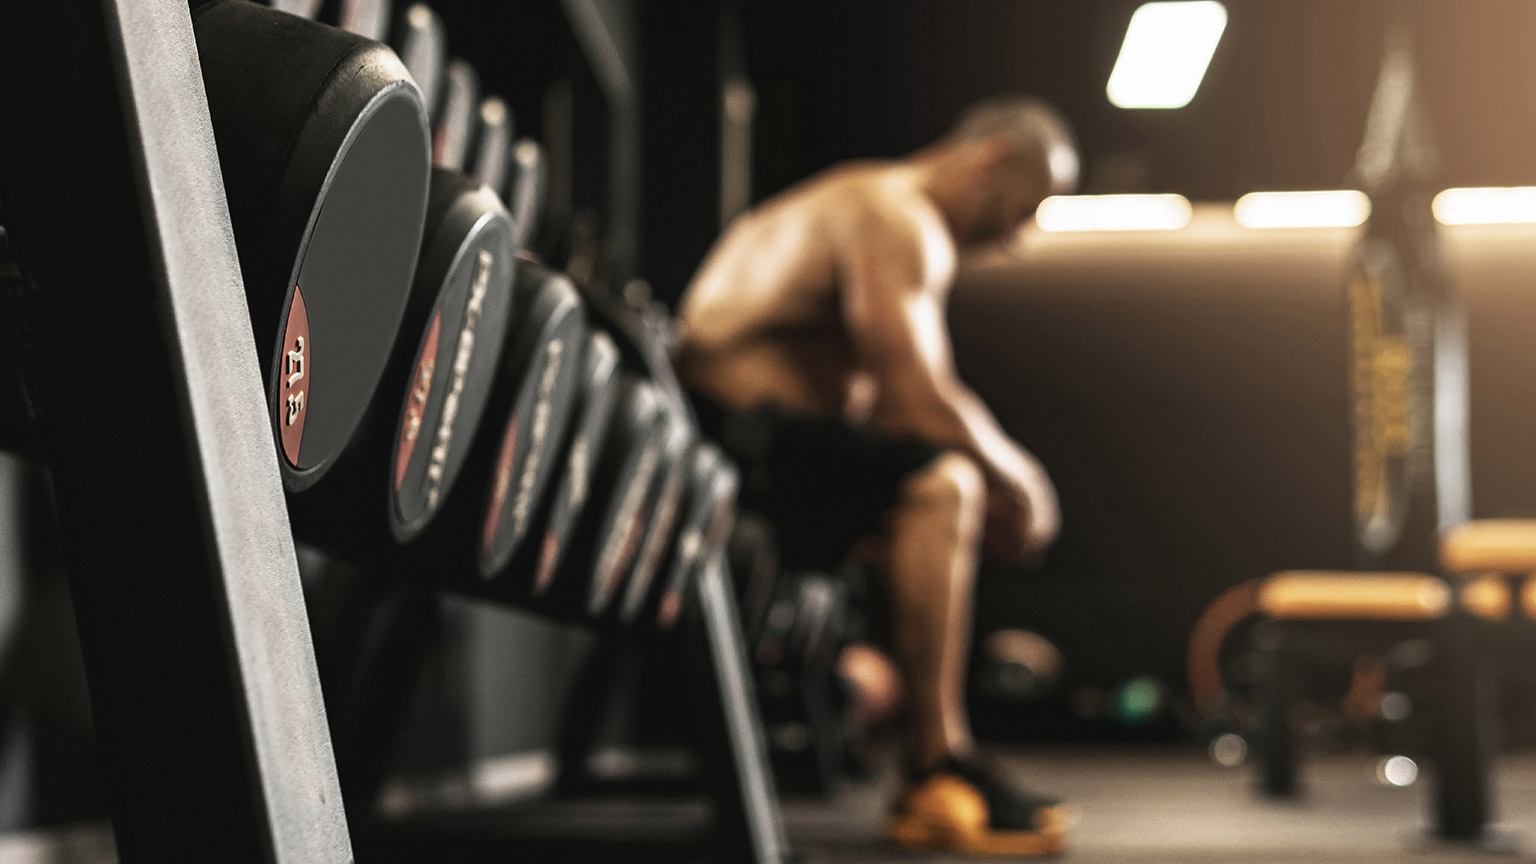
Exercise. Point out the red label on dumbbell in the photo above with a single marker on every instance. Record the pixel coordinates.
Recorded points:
(416, 403)
(619, 549)
(689, 544)
(502, 486)
(463, 360)
(671, 608)
(549, 554)
(654, 545)
(719, 523)
(627, 546)
(294, 371)
(522, 505)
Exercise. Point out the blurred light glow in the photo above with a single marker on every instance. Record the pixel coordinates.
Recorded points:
(1492, 205)
(1340, 208)
(1139, 701)
(1396, 706)
(493, 111)
(1399, 771)
(1229, 750)
(1165, 54)
(1113, 213)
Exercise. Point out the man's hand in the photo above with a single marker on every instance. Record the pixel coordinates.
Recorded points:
(1023, 516)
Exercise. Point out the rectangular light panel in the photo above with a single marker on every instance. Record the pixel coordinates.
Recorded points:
(1491, 205)
(1166, 51)
(1338, 208)
(1113, 213)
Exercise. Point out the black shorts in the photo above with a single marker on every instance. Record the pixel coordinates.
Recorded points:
(823, 482)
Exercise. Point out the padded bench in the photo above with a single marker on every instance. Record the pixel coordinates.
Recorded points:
(1488, 572)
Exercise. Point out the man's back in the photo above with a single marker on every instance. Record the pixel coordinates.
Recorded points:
(764, 320)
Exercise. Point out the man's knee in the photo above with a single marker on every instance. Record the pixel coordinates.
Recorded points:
(953, 482)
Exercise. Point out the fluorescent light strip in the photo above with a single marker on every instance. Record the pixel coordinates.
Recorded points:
(1341, 208)
(1165, 54)
(1113, 213)
(1491, 205)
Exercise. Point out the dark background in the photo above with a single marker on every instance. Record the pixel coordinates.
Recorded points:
(1282, 107)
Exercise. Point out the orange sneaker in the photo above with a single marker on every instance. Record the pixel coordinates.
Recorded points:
(961, 807)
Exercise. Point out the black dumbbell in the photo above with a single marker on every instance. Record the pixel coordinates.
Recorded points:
(643, 337)
(433, 438)
(323, 142)
(421, 41)
(529, 573)
(454, 126)
(801, 701)
(804, 622)
(528, 186)
(304, 8)
(452, 86)
(367, 18)
(491, 154)
(708, 517)
(477, 139)
(388, 486)
(528, 457)
(538, 378)
(587, 571)
(660, 513)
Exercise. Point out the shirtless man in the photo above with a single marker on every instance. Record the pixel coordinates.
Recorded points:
(814, 341)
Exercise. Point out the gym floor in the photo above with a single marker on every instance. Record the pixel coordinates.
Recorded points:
(1154, 807)
(1140, 806)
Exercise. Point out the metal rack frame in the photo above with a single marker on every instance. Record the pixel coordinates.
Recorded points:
(136, 378)
(176, 538)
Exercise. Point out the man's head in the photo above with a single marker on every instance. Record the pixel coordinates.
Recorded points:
(1003, 156)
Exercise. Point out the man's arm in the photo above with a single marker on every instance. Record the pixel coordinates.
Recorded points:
(893, 281)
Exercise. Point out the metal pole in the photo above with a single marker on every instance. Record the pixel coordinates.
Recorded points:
(748, 809)
(176, 539)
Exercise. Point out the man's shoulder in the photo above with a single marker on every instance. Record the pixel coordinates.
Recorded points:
(901, 227)
(885, 208)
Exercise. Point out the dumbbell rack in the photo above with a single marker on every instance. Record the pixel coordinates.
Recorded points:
(129, 365)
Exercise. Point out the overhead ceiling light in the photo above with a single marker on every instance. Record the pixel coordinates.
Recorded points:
(1492, 205)
(1113, 213)
(1341, 208)
(1167, 49)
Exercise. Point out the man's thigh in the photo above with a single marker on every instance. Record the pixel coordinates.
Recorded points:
(829, 484)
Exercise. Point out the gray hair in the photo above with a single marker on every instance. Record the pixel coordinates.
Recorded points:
(1031, 122)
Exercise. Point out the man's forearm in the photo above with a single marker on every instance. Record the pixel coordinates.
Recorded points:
(985, 440)
(961, 421)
